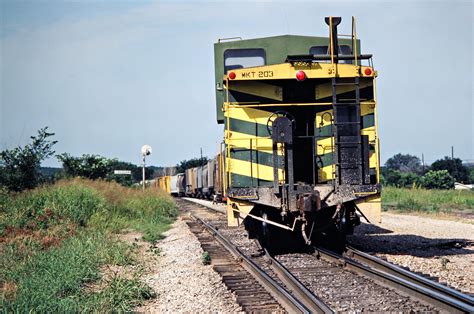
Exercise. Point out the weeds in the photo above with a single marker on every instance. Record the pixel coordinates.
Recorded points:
(206, 258)
(54, 239)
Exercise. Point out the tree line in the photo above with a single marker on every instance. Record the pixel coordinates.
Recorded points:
(405, 170)
(20, 168)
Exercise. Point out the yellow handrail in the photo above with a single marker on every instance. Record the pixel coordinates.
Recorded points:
(354, 38)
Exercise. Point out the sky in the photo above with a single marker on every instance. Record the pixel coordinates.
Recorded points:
(109, 76)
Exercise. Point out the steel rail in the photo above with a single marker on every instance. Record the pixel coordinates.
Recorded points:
(433, 297)
(390, 268)
(298, 289)
(313, 303)
(289, 302)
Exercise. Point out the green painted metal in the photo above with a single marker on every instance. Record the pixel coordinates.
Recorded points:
(276, 48)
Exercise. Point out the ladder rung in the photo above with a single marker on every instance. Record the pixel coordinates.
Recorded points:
(347, 123)
(346, 104)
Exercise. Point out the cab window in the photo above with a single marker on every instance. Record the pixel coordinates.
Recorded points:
(243, 58)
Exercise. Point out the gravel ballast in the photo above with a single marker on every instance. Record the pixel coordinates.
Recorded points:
(441, 248)
(182, 282)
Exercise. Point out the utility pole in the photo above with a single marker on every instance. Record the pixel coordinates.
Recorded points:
(143, 173)
(146, 150)
(201, 153)
(452, 152)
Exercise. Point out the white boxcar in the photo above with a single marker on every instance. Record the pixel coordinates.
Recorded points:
(205, 186)
(199, 178)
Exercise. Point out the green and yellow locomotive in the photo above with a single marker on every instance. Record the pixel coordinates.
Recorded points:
(301, 153)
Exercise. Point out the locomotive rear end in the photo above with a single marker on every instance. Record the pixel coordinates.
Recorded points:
(301, 145)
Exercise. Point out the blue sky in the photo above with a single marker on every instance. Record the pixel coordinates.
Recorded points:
(110, 76)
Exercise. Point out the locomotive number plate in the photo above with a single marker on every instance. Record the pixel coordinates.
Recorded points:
(257, 74)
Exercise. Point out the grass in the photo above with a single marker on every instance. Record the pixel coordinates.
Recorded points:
(53, 241)
(205, 258)
(423, 200)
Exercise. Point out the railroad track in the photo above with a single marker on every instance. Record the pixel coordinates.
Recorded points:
(249, 295)
(302, 280)
(394, 276)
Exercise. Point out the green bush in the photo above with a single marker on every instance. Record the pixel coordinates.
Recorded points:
(440, 179)
(399, 179)
(206, 258)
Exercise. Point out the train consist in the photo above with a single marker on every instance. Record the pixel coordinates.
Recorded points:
(200, 182)
(300, 158)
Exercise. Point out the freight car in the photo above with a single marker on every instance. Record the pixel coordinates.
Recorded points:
(300, 156)
(200, 182)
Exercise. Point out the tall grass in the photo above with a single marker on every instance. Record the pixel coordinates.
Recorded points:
(418, 199)
(54, 239)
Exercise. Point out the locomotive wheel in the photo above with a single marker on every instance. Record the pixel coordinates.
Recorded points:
(331, 238)
(275, 239)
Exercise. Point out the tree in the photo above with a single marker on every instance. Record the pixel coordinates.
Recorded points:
(19, 167)
(98, 167)
(440, 179)
(404, 163)
(399, 179)
(455, 168)
(123, 179)
(191, 163)
(87, 166)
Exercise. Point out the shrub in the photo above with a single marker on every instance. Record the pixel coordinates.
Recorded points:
(437, 180)
(19, 167)
(206, 258)
(454, 167)
(400, 179)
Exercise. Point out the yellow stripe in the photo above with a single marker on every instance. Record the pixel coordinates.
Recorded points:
(370, 132)
(366, 109)
(326, 173)
(325, 146)
(248, 169)
(248, 114)
(257, 88)
(325, 90)
(264, 144)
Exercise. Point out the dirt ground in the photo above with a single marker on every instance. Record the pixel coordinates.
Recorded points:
(175, 271)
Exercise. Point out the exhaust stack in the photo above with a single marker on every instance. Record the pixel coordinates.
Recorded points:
(335, 21)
